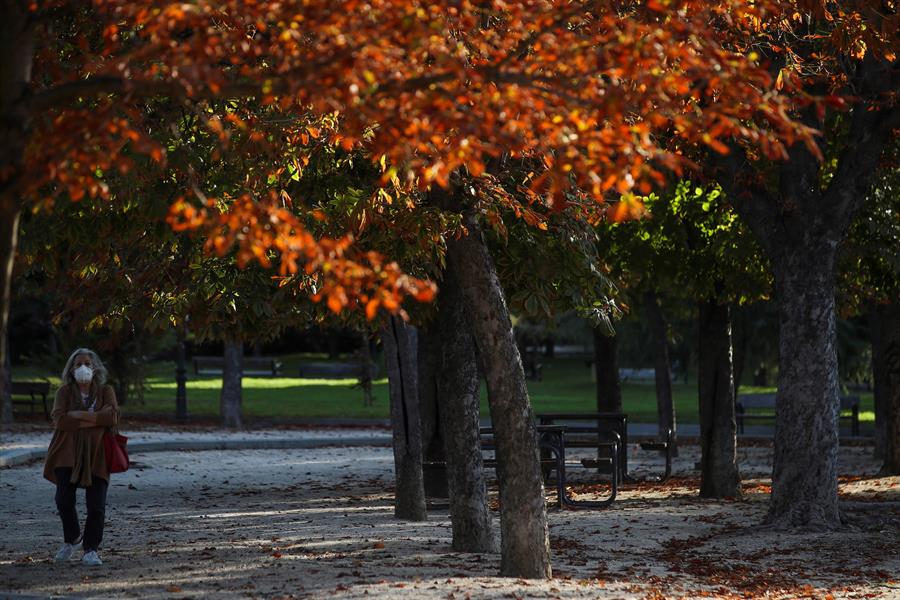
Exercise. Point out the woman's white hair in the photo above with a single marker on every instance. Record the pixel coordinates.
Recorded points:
(100, 372)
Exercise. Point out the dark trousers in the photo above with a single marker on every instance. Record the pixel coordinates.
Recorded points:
(96, 509)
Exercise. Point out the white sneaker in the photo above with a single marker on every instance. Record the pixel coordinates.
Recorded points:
(92, 559)
(66, 551)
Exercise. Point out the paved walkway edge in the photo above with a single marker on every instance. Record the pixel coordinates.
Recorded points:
(17, 457)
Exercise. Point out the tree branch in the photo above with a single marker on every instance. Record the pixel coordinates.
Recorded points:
(753, 203)
(870, 133)
(73, 91)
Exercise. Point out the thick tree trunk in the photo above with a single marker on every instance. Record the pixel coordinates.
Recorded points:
(606, 368)
(887, 386)
(230, 401)
(720, 477)
(430, 408)
(400, 343)
(16, 56)
(801, 227)
(804, 478)
(660, 346)
(458, 387)
(524, 542)
(180, 375)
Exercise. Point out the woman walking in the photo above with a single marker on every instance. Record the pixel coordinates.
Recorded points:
(85, 406)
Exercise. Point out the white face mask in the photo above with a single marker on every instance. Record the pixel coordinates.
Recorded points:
(84, 374)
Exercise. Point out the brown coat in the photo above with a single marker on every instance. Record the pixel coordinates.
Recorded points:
(80, 449)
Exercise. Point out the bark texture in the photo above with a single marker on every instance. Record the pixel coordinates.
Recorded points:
(400, 350)
(720, 476)
(800, 225)
(804, 490)
(16, 55)
(606, 368)
(231, 400)
(663, 370)
(458, 387)
(887, 385)
(524, 542)
(430, 408)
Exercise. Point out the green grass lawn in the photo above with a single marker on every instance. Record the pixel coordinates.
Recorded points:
(567, 386)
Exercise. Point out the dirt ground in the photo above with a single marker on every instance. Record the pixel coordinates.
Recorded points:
(318, 523)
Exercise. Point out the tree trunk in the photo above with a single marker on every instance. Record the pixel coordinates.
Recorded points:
(458, 388)
(887, 391)
(801, 227)
(16, 56)
(6, 381)
(720, 477)
(232, 372)
(879, 381)
(804, 478)
(365, 371)
(400, 342)
(524, 543)
(660, 347)
(119, 368)
(739, 354)
(430, 408)
(180, 375)
(606, 368)
(9, 230)
(333, 342)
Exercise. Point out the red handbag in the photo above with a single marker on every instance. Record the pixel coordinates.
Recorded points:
(116, 452)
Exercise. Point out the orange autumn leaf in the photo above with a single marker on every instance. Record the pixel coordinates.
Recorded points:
(436, 92)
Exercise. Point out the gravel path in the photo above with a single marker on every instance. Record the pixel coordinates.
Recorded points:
(318, 523)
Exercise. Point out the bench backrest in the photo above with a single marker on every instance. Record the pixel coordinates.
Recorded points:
(264, 361)
(756, 400)
(768, 401)
(23, 388)
(647, 374)
(335, 370)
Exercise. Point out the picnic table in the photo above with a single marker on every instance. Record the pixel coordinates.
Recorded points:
(597, 435)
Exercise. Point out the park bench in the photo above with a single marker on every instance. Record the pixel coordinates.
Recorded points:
(637, 375)
(552, 444)
(251, 366)
(335, 370)
(31, 393)
(597, 435)
(762, 407)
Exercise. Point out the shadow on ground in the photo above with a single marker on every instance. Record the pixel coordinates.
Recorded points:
(301, 523)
